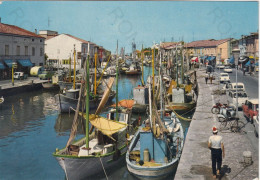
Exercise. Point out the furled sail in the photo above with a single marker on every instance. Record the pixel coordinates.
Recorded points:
(105, 95)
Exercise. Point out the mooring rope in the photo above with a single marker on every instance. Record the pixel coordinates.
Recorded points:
(103, 167)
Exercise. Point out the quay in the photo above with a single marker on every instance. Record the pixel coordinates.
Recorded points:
(195, 162)
(29, 84)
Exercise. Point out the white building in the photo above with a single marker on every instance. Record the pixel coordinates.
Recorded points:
(60, 48)
(20, 46)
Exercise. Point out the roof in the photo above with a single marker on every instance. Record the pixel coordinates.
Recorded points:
(207, 43)
(11, 29)
(167, 44)
(81, 40)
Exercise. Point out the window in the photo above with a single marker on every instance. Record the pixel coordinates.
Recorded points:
(33, 51)
(41, 51)
(6, 50)
(40, 40)
(41, 64)
(32, 40)
(26, 50)
(220, 50)
(18, 50)
(65, 61)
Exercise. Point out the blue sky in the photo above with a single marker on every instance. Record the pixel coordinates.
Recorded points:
(144, 21)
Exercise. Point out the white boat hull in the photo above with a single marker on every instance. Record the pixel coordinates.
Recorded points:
(77, 168)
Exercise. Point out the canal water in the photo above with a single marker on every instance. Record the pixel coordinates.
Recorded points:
(31, 128)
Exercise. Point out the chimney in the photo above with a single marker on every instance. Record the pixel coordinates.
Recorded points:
(35, 30)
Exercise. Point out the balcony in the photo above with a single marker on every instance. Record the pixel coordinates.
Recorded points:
(13, 57)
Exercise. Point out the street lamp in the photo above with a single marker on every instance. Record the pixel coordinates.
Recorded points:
(14, 65)
(236, 56)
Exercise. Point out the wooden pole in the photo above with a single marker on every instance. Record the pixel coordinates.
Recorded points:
(74, 78)
(87, 101)
(153, 51)
(95, 82)
(117, 81)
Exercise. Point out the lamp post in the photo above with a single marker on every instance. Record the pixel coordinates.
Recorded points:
(236, 56)
(14, 65)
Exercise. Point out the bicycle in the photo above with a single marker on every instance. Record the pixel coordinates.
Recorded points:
(234, 125)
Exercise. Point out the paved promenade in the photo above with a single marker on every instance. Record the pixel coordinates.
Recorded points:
(195, 162)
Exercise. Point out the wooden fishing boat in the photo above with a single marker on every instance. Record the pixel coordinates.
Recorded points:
(154, 153)
(50, 86)
(134, 69)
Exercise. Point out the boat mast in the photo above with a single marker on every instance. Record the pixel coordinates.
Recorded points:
(74, 78)
(182, 73)
(95, 82)
(87, 101)
(153, 52)
(70, 69)
(142, 56)
(176, 60)
(117, 81)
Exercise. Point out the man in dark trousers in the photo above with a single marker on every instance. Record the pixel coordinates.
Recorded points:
(206, 78)
(216, 146)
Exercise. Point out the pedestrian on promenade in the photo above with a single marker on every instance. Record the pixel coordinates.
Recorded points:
(244, 70)
(216, 146)
(206, 78)
(210, 78)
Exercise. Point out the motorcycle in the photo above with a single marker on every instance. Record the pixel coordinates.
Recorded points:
(227, 113)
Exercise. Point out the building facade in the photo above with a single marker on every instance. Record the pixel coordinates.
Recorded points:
(19, 46)
(60, 50)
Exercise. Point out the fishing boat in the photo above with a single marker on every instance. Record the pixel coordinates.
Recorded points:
(102, 148)
(134, 69)
(50, 86)
(2, 100)
(154, 152)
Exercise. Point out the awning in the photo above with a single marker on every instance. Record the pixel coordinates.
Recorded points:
(232, 60)
(25, 62)
(256, 64)
(2, 66)
(204, 57)
(211, 58)
(8, 62)
(242, 59)
(248, 63)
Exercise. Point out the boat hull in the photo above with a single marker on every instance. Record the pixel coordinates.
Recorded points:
(181, 107)
(152, 173)
(77, 168)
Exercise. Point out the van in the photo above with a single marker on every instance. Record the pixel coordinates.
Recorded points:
(20, 75)
(232, 87)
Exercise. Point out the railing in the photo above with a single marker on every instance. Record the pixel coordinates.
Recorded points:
(14, 57)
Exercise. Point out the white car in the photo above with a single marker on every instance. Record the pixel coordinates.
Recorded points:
(228, 69)
(224, 77)
(220, 66)
(240, 100)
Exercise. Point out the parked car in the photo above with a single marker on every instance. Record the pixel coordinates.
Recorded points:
(46, 75)
(250, 109)
(220, 66)
(228, 69)
(241, 98)
(224, 77)
(232, 87)
(20, 75)
(256, 125)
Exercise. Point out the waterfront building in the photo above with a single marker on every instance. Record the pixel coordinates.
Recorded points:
(18, 45)
(213, 51)
(60, 50)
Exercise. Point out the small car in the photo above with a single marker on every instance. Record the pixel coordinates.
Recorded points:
(220, 66)
(228, 69)
(250, 109)
(240, 99)
(224, 77)
(20, 75)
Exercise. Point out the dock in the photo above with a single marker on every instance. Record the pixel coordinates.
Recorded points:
(29, 84)
(195, 162)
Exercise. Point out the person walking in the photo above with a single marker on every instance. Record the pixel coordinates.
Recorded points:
(206, 78)
(215, 144)
(210, 78)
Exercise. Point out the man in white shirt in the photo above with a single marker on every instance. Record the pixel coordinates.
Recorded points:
(216, 146)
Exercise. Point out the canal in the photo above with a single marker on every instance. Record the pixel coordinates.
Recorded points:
(31, 128)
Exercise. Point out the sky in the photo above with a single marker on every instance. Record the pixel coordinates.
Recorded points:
(144, 22)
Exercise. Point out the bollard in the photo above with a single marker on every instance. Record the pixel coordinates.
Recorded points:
(247, 158)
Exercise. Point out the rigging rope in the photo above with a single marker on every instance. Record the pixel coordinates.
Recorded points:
(103, 167)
